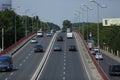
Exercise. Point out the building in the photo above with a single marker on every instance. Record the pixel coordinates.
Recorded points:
(111, 21)
(5, 4)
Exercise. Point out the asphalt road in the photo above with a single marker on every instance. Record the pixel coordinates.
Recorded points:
(64, 65)
(105, 66)
(26, 61)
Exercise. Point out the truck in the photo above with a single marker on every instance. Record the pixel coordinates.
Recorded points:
(39, 34)
(6, 63)
(90, 44)
(69, 35)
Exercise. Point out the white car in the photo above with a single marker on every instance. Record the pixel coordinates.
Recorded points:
(48, 34)
(33, 40)
(98, 56)
(96, 49)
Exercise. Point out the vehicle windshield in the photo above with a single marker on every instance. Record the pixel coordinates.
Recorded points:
(116, 68)
(4, 61)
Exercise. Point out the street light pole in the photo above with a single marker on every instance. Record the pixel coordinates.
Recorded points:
(98, 5)
(26, 22)
(2, 38)
(87, 17)
(83, 21)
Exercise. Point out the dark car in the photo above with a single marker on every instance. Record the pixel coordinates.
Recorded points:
(114, 69)
(6, 63)
(59, 38)
(72, 48)
(38, 48)
(57, 48)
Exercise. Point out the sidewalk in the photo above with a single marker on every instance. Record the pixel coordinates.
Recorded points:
(111, 55)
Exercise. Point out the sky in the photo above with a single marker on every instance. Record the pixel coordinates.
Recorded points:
(56, 11)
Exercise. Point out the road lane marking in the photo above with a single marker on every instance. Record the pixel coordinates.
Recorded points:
(26, 57)
(64, 60)
(24, 60)
(64, 68)
(6, 78)
(64, 57)
(64, 64)
(11, 73)
(64, 73)
(44, 60)
(63, 77)
(20, 65)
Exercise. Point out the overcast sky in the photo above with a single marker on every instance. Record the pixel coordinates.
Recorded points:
(56, 11)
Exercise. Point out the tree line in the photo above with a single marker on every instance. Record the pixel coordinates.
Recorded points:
(109, 36)
(11, 22)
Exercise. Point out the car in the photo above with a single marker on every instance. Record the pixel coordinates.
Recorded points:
(92, 52)
(59, 38)
(72, 48)
(40, 34)
(57, 48)
(96, 49)
(48, 34)
(98, 56)
(33, 40)
(6, 63)
(114, 69)
(38, 48)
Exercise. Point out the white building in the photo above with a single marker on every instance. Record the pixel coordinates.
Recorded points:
(111, 21)
(5, 4)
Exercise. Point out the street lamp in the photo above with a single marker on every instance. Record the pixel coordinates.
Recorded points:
(83, 21)
(15, 23)
(2, 38)
(26, 22)
(77, 17)
(102, 6)
(87, 16)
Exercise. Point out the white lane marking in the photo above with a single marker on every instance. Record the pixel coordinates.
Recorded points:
(20, 65)
(44, 60)
(64, 57)
(63, 77)
(64, 68)
(26, 57)
(64, 60)
(29, 54)
(64, 54)
(6, 78)
(11, 73)
(81, 56)
(64, 73)
(24, 60)
(64, 64)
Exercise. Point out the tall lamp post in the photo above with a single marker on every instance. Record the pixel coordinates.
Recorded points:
(83, 21)
(26, 22)
(15, 23)
(87, 17)
(98, 5)
(2, 38)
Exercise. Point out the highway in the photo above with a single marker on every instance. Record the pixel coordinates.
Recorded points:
(26, 61)
(61, 65)
(105, 65)
(64, 65)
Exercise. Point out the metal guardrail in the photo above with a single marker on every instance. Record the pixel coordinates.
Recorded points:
(100, 70)
(13, 48)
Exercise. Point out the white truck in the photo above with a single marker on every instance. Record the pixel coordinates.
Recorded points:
(69, 35)
(39, 34)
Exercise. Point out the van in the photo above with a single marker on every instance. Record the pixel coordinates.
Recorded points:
(114, 69)
(39, 34)
(6, 63)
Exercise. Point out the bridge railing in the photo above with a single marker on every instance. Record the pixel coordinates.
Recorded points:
(100, 70)
(13, 48)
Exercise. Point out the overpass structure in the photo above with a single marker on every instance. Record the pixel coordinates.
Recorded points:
(51, 65)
